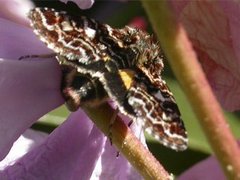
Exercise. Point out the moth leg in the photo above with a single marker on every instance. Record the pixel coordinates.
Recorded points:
(112, 120)
(52, 55)
(130, 123)
(81, 89)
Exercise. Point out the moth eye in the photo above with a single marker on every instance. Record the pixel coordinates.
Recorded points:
(127, 40)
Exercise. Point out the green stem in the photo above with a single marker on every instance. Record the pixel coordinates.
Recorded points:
(187, 69)
(127, 143)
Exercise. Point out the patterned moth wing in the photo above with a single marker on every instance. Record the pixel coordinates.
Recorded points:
(155, 108)
(64, 35)
(124, 64)
(81, 39)
(153, 102)
(158, 114)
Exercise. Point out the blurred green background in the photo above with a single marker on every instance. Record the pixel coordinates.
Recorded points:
(119, 14)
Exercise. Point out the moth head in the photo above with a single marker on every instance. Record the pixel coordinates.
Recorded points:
(150, 54)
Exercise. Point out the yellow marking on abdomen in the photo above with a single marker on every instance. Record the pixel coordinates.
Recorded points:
(127, 77)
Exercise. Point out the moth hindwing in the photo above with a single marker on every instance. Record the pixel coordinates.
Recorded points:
(100, 62)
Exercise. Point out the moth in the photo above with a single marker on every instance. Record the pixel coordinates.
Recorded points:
(100, 62)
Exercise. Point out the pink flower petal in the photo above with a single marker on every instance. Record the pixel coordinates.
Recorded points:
(29, 89)
(24, 99)
(70, 152)
(208, 169)
(83, 4)
(110, 166)
(223, 82)
(214, 27)
(16, 10)
(17, 41)
(27, 141)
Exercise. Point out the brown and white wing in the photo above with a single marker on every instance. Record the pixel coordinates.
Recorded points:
(155, 108)
(66, 35)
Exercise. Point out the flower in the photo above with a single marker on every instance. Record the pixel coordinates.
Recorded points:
(29, 89)
(213, 27)
(83, 4)
(16, 10)
(199, 171)
(138, 22)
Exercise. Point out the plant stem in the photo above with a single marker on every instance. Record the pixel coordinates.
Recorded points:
(127, 143)
(187, 69)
